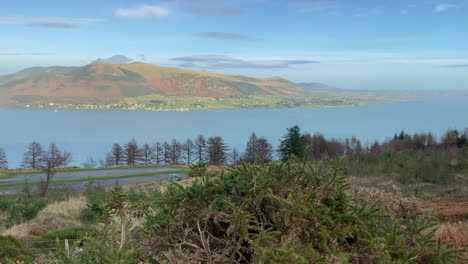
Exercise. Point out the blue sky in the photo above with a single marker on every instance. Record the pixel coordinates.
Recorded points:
(352, 44)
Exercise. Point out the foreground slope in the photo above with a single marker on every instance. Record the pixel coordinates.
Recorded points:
(148, 86)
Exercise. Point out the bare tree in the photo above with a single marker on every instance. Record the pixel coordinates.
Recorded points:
(3, 159)
(200, 147)
(189, 149)
(216, 149)
(258, 150)
(264, 150)
(175, 151)
(235, 156)
(89, 163)
(51, 161)
(166, 152)
(147, 154)
(116, 155)
(132, 153)
(32, 158)
(158, 153)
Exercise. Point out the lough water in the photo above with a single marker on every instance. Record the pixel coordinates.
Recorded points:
(92, 132)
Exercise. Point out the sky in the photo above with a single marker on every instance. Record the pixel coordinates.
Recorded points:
(353, 44)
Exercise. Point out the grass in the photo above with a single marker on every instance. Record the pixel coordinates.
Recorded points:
(95, 178)
(310, 99)
(55, 216)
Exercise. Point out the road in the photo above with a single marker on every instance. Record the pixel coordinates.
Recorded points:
(157, 177)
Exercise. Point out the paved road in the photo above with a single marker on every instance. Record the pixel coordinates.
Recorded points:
(84, 174)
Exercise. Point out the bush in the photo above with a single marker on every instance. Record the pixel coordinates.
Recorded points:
(24, 208)
(284, 213)
(429, 166)
(95, 208)
(199, 169)
(13, 250)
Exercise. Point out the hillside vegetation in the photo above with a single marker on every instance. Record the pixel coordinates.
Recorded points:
(147, 86)
(280, 212)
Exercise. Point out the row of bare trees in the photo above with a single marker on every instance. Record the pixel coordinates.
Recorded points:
(215, 151)
(212, 150)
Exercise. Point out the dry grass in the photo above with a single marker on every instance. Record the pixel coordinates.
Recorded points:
(393, 201)
(55, 216)
(455, 234)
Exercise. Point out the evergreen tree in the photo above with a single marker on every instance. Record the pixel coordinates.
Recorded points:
(292, 144)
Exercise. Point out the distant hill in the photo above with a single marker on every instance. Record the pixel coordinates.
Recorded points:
(116, 59)
(146, 85)
(316, 86)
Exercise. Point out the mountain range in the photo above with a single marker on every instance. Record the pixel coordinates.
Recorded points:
(151, 87)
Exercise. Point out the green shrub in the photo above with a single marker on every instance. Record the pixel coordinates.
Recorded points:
(284, 213)
(23, 208)
(13, 250)
(95, 208)
(199, 169)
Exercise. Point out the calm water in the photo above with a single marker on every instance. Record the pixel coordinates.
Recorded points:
(91, 133)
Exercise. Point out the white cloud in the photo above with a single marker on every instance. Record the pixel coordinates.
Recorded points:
(404, 12)
(443, 7)
(51, 22)
(143, 11)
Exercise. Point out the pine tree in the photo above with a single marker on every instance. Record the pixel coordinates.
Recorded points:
(292, 144)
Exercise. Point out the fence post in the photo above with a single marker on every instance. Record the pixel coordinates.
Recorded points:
(67, 248)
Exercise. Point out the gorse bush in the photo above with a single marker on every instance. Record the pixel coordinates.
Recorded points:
(13, 251)
(112, 241)
(199, 169)
(95, 204)
(284, 212)
(22, 208)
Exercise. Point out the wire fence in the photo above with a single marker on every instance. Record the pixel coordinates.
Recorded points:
(47, 246)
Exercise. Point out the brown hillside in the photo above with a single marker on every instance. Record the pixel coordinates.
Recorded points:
(113, 83)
